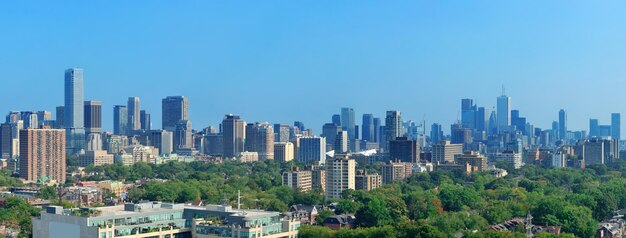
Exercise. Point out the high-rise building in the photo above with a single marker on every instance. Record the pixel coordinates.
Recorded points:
(59, 122)
(282, 132)
(93, 117)
(74, 111)
(347, 122)
(482, 119)
(341, 143)
(183, 136)
(368, 129)
(404, 150)
(367, 182)
(174, 109)
(330, 130)
(312, 150)
(146, 122)
(234, 134)
(134, 117)
(298, 180)
(299, 125)
(493, 123)
(436, 133)
(460, 134)
(393, 128)
(377, 126)
(468, 113)
(42, 154)
(44, 118)
(120, 120)
(283, 151)
(562, 124)
(444, 152)
(616, 126)
(340, 175)
(260, 139)
(594, 128)
(6, 140)
(318, 177)
(336, 119)
(30, 119)
(504, 112)
(393, 171)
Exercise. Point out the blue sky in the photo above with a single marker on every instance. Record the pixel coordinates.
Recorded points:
(281, 61)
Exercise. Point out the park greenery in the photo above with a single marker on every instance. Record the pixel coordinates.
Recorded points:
(437, 204)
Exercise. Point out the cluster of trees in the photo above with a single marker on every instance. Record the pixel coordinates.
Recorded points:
(438, 204)
(18, 212)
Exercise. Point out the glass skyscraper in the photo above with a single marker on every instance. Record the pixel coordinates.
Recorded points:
(74, 110)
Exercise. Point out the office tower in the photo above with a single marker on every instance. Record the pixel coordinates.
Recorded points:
(356, 133)
(59, 122)
(234, 134)
(394, 171)
(94, 142)
(477, 161)
(562, 125)
(444, 152)
(93, 117)
(347, 122)
(298, 180)
(13, 117)
(120, 120)
(312, 150)
(436, 133)
(468, 113)
(162, 140)
(336, 119)
(460, 135)
(393, 128)
(594, 128)
(134, 117)
(30, 119)
(367, 182)
(377, 135)
(404, 150)
(146, 122)
(299, 125)
(283, 151)
(504, 112)
(260, 139)
(44, 118)
(74, 111)
(482, 119)
(341, 143)
(340, 173)
(282, 132)
(330, 130)
(493, 123)
(616, 126)
(214, 143)
(174, 109)
(6, 140)
(183, 135)
(42, 154)
(368, 128)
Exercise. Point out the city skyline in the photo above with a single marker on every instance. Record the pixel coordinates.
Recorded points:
(217, 54)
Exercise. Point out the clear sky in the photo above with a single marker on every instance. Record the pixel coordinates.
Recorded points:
(281, 61)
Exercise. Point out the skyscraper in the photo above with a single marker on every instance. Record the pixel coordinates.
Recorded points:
(146, 123)
(393, 128)
(174, 109)
(93, 117)
(377, 135)
(347, 122)
(312, 150)
(341, 143)
(120, 120)
(337, 119)
(42, 154)
(562, 124)
(260, 139)
(468, 113)
(282, 132)
(233, 134)
(182, 135)
(404, 150)
(436, 133)
(74, 111)
(368, 128)
(594, 130)
(482, 119)
(504, 112)
(59, 122)
(616, 126)
(134, 117)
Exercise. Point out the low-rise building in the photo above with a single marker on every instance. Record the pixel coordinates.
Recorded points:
(156, 219)
(365, 181)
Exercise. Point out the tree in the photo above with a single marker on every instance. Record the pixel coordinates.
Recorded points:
(375, 213)
(322, 215)
(347, 206)
(48, 193)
